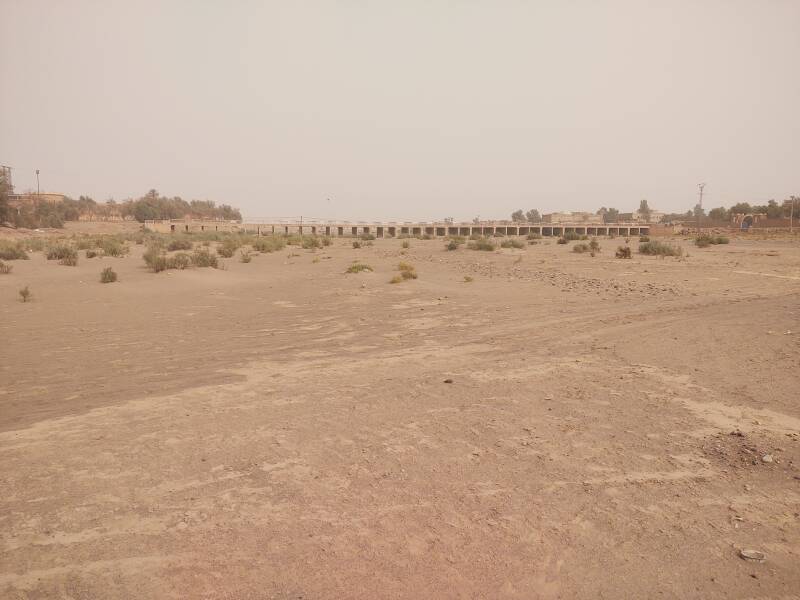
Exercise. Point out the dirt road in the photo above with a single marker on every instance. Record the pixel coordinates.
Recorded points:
(561, 426)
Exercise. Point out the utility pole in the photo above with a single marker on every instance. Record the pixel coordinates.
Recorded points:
(700, 212)
(37, 184)
(793, 199)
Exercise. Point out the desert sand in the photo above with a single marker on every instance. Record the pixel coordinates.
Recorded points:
(561, 426)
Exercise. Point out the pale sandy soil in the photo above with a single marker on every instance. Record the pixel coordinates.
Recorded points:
(282, 430)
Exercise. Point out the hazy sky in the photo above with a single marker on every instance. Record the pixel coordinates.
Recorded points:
(408, 110)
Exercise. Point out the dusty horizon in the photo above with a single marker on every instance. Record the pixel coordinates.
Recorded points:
(417, 111)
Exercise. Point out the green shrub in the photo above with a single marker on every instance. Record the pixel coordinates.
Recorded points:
(356, 244)
(311, 242)
(112, 247)
(512, 243)
(204, 258)
(91, 253)
(704, 240)
(179, 261)
(594, 245)
(657, 248)
(25, 294)
(4, 268)
(326, 241)
(482, 243)
(108, 275)
(358, 267)
(561, 240)
(12, 251)
(407, 271)
(451, 245)
(179, 244)
(69, 258)
(269, 244)
(155, 258)
(580, 248)
(36, 244)
(623, 252)
(468, 279)
(571, 236)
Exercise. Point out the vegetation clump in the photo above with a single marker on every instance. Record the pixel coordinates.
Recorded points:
(407, 271)
(154, 258)
(108, 275)
(482, 243)
(179, 244)
(112, 247)
(644, 238)
(581, 248)
(561, 240)
(25, 294)
(245, 256)
(12, 251)
(179, 261)
(268, 244)
(91, 253)
(512, 243)
(4, 268)
(356, 244)
(623, 252)
(594, 245)
(203, 258)
(358, 268)
(405, 245)
(705, 240)
(656, 248)
(367, 237)
(571, 236)
(534, 236)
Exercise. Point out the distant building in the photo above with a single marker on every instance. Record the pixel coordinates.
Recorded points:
(32, 198)
(572, 217)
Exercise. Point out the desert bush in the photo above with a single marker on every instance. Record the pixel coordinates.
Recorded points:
(12, 251)
(561, 240)
(451, 245)
(396, 279)
(623, 252)
(426, 236)
(245, 256)
(269, 244)
(356, 244)
(407, 271)
(203, 258)
(4, 268)
(179, 244)
(180, 261)
(580, 248)
(468, 279)
(35, 244)
(594, 245)
(69, 258)
(358, 267)
(644, 238)
(326, 241)
(571, 236)
(311, 242)
(367, 237)
(25, 294)
(704, 240)
(225, 251)
(112, 247)
(108, 275)
(512, 243)
(154, 258)
(91, 253)
(482, 243)
(59, 251)
(405, 244)
(657, 248)
(534, 236)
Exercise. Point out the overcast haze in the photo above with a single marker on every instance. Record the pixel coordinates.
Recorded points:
(407, 110)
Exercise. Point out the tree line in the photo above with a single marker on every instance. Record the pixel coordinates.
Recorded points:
(151, 206)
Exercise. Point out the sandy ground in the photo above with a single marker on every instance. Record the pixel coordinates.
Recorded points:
(280, 429)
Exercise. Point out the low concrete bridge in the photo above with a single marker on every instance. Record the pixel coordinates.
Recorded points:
(390, 229)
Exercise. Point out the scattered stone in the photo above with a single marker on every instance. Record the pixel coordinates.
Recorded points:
(737, 433)
(754, 555)
(448, 380)
(767, 458)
